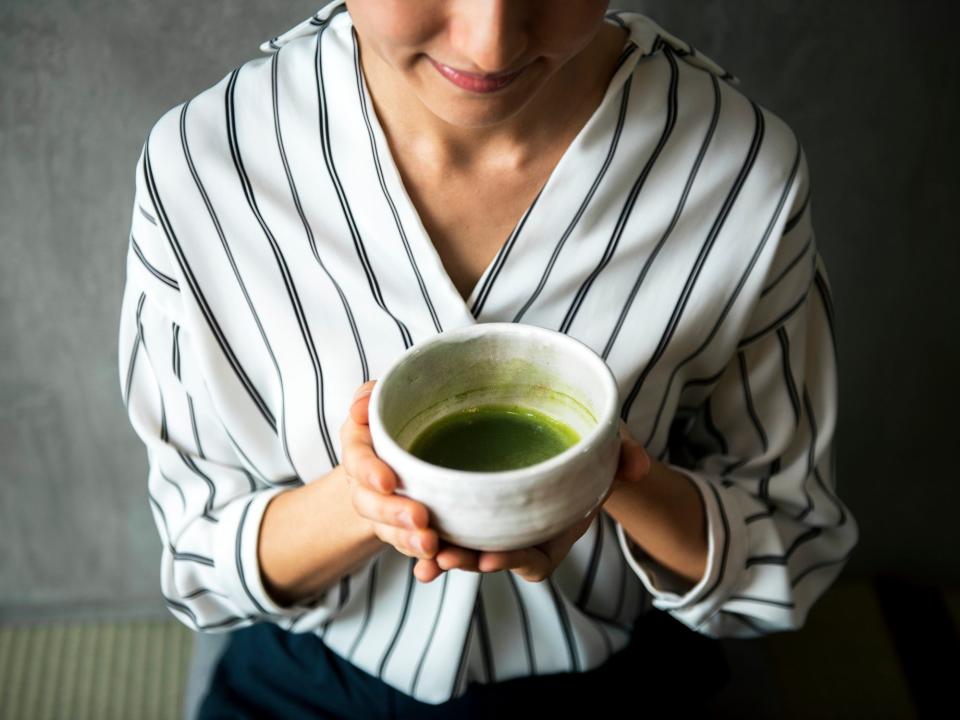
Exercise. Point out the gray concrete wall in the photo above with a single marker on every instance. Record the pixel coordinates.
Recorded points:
(870, 87)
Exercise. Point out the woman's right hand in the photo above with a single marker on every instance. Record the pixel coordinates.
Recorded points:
(397, 520)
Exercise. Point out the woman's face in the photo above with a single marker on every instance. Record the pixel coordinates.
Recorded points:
(420, 44)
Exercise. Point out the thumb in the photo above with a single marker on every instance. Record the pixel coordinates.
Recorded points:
(639, 461)
(364, 390)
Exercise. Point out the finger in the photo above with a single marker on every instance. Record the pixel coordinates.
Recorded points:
(634, 460)
(535, 567)
(397, 510)
(361, 402)
(427, 570)
(501, 560)
(405, 541)
(361, 461)
(451, 556)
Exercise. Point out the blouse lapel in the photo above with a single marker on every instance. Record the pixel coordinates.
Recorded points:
(411, 272)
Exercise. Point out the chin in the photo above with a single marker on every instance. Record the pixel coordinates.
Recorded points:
(477, 111)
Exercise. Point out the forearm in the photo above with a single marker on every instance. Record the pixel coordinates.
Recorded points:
(310, 537)
(663, 513)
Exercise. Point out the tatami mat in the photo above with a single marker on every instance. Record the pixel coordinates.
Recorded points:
(860, 655)
(93, 670)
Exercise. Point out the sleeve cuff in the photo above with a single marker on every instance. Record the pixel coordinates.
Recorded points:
(235, 555)
(726, 555)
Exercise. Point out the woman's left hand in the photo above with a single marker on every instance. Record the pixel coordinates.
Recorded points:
(538, 562)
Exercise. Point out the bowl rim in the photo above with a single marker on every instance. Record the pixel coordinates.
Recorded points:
(586, 444)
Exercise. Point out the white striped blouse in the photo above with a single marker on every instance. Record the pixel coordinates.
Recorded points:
(276, 262)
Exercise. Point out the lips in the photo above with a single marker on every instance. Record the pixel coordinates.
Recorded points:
(476, 82)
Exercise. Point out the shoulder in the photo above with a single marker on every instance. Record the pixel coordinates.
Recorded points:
(244, 93)
(742, 129)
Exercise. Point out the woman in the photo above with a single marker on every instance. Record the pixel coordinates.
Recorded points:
(319, 211)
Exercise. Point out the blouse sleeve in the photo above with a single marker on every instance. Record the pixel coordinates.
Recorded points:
(760, 449)
(206, 502)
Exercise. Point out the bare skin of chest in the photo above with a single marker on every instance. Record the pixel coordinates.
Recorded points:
(469, 220)
(469, 207)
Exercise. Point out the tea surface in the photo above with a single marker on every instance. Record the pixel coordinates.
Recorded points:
(491, 438)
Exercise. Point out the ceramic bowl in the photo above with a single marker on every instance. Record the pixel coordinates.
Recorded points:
(500, 363)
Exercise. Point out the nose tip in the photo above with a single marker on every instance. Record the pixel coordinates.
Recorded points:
(494, 37)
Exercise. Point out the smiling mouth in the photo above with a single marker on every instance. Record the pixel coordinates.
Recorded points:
(476, 82)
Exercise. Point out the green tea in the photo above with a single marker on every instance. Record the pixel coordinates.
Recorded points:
(490, 438)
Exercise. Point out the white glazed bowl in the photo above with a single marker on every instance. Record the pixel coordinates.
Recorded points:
(500, 363)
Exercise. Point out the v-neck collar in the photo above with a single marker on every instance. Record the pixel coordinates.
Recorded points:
(645, 38)
(471, 308)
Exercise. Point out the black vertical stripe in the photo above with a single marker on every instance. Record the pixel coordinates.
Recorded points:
(712, 429)
(175, 360)
(162, 277)
(131, 364)
(201, 300)
(586, 587)
(341, 195)
(239, 560)
(433, 631)
(764, 491)
(825, 296)
(784, 339)
(361, 352)
(249, 464)
(211, 496)
(734, 295)
(748, 398)
(462, 661)
(627, 209)
(811, 454)
(147, 215)
(284, 269)
(812, 466)
(196, 432)
(631, 48)
(525, 623)
(792, 222)
(568, 635)
(780, 319)
(486, 651)
(383, 185)
(678, 212)
(723, 552)
(163, 476)
(611, 151)
(786, 271)
(501, 257)
(408, 593)
(164, 432)
(699, 263)
(367, 610)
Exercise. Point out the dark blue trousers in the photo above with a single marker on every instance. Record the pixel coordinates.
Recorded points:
(267, 672)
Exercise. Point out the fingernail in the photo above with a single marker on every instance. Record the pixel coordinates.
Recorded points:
(407, 519)
(418, 544)
(362, 392)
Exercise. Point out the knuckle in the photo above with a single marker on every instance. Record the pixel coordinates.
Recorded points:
(368, 504)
